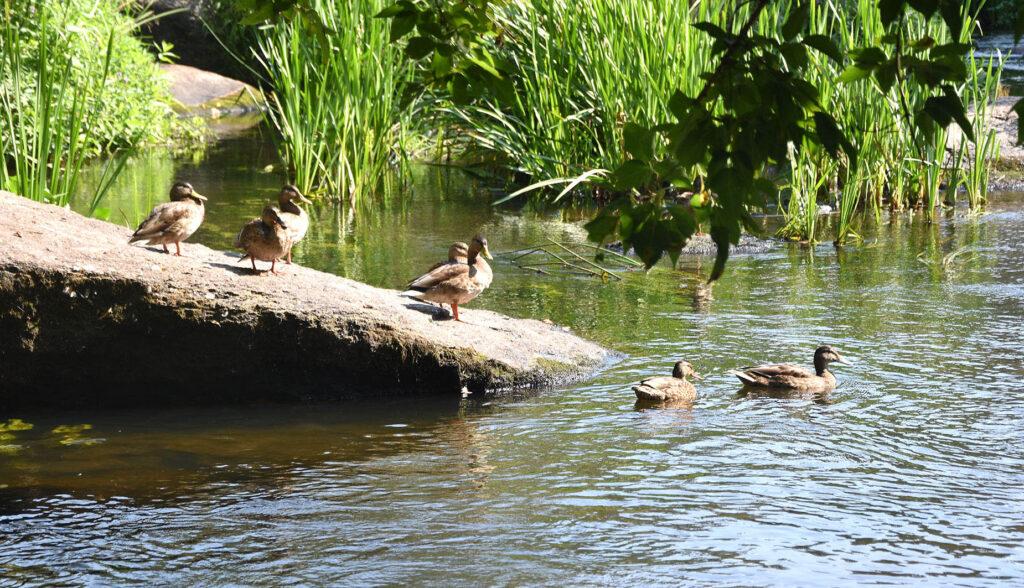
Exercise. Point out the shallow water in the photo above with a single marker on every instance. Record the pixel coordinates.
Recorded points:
(912, 471)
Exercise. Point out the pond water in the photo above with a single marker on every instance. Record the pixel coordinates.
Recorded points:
(911, 471)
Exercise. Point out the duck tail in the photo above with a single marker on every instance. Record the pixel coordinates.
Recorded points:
(743, 376)
(411, 293)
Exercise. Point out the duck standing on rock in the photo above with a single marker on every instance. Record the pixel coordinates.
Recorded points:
(674, 388)
(456, 281)
(293, 216)
(174, 221)
(265, 238)
(794, 377)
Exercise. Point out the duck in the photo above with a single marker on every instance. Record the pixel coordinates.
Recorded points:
(265, 238)
(296, 218)
(456, 281)
(794, 377)
(457, 253)
(672, 388)
(174, 221)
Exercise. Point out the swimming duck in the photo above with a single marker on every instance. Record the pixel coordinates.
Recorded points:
(296, 218)
(265, 238)
(174, 221)
(456, 281)
(668, 388)
(793, 377)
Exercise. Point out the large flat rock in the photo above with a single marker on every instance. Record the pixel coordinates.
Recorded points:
(88, 321)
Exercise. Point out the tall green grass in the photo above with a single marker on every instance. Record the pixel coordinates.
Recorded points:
(335, 99)
(74, 84)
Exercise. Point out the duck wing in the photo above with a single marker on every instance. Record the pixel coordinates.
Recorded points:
(443, 272)
(159, 220)
(774, 374)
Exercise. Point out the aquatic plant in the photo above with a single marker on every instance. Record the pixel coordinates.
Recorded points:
(335, 97)
(74, 84)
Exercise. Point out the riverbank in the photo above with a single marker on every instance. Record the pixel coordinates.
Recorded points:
(87, 321)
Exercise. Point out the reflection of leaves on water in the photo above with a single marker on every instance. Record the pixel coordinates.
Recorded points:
(74, 435)
(7, 435)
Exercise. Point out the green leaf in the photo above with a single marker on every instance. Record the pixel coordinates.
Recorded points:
(680, 104)
(824, 45)
(264, 12)
(890, 10)
(886, 76)
(639, 142)
(795, 54)
(951, 13)
(956, 50)
(601, 227)
(922, 44)
(401, 25)
(720, 235)
(714, 30)
(632, 174)
(869, 57)
(947, 108)
(419, 47)
(390, 11)
(853, 73)
(832, 138)
(925, 7)
(796, 22)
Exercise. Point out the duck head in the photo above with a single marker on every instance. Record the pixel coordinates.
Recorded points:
(183, 190)
(457, 250)
(825, 355)
(271, 216)
(289, 192)
(479, 245)
(683, 370)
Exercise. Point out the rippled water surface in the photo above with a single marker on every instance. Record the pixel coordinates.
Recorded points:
(911, 472)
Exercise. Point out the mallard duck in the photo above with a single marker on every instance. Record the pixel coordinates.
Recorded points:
(296, 218)
(265, 238)
(457, 253)
(174, 221)
(794, 377)
(456, 281)
(668, 388)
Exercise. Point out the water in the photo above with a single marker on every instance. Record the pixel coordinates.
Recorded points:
(1002, 46)
(911, 472)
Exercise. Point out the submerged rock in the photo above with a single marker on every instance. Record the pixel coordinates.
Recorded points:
(88, 321)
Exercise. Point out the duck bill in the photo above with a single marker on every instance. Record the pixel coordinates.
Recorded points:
(843, 361)
(696, 376)
(197, 195)
(486, 253)
(302, 198)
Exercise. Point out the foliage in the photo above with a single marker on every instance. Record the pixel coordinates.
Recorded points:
(334, 99)
(755, 109)
(73, 84)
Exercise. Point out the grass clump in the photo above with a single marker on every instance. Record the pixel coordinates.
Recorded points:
(74, 84)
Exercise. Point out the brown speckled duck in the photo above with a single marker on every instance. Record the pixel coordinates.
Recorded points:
(794, 377)
(672, 388)
(265, 238)
(174, 221)
(456, 281)
(293, 216)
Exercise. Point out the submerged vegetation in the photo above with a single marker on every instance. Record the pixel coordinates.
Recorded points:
(74, 84)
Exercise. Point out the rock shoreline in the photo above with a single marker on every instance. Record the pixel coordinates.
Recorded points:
(88, 321)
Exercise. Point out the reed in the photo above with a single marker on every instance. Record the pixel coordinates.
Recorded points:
(334, 102)
(74, 84)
